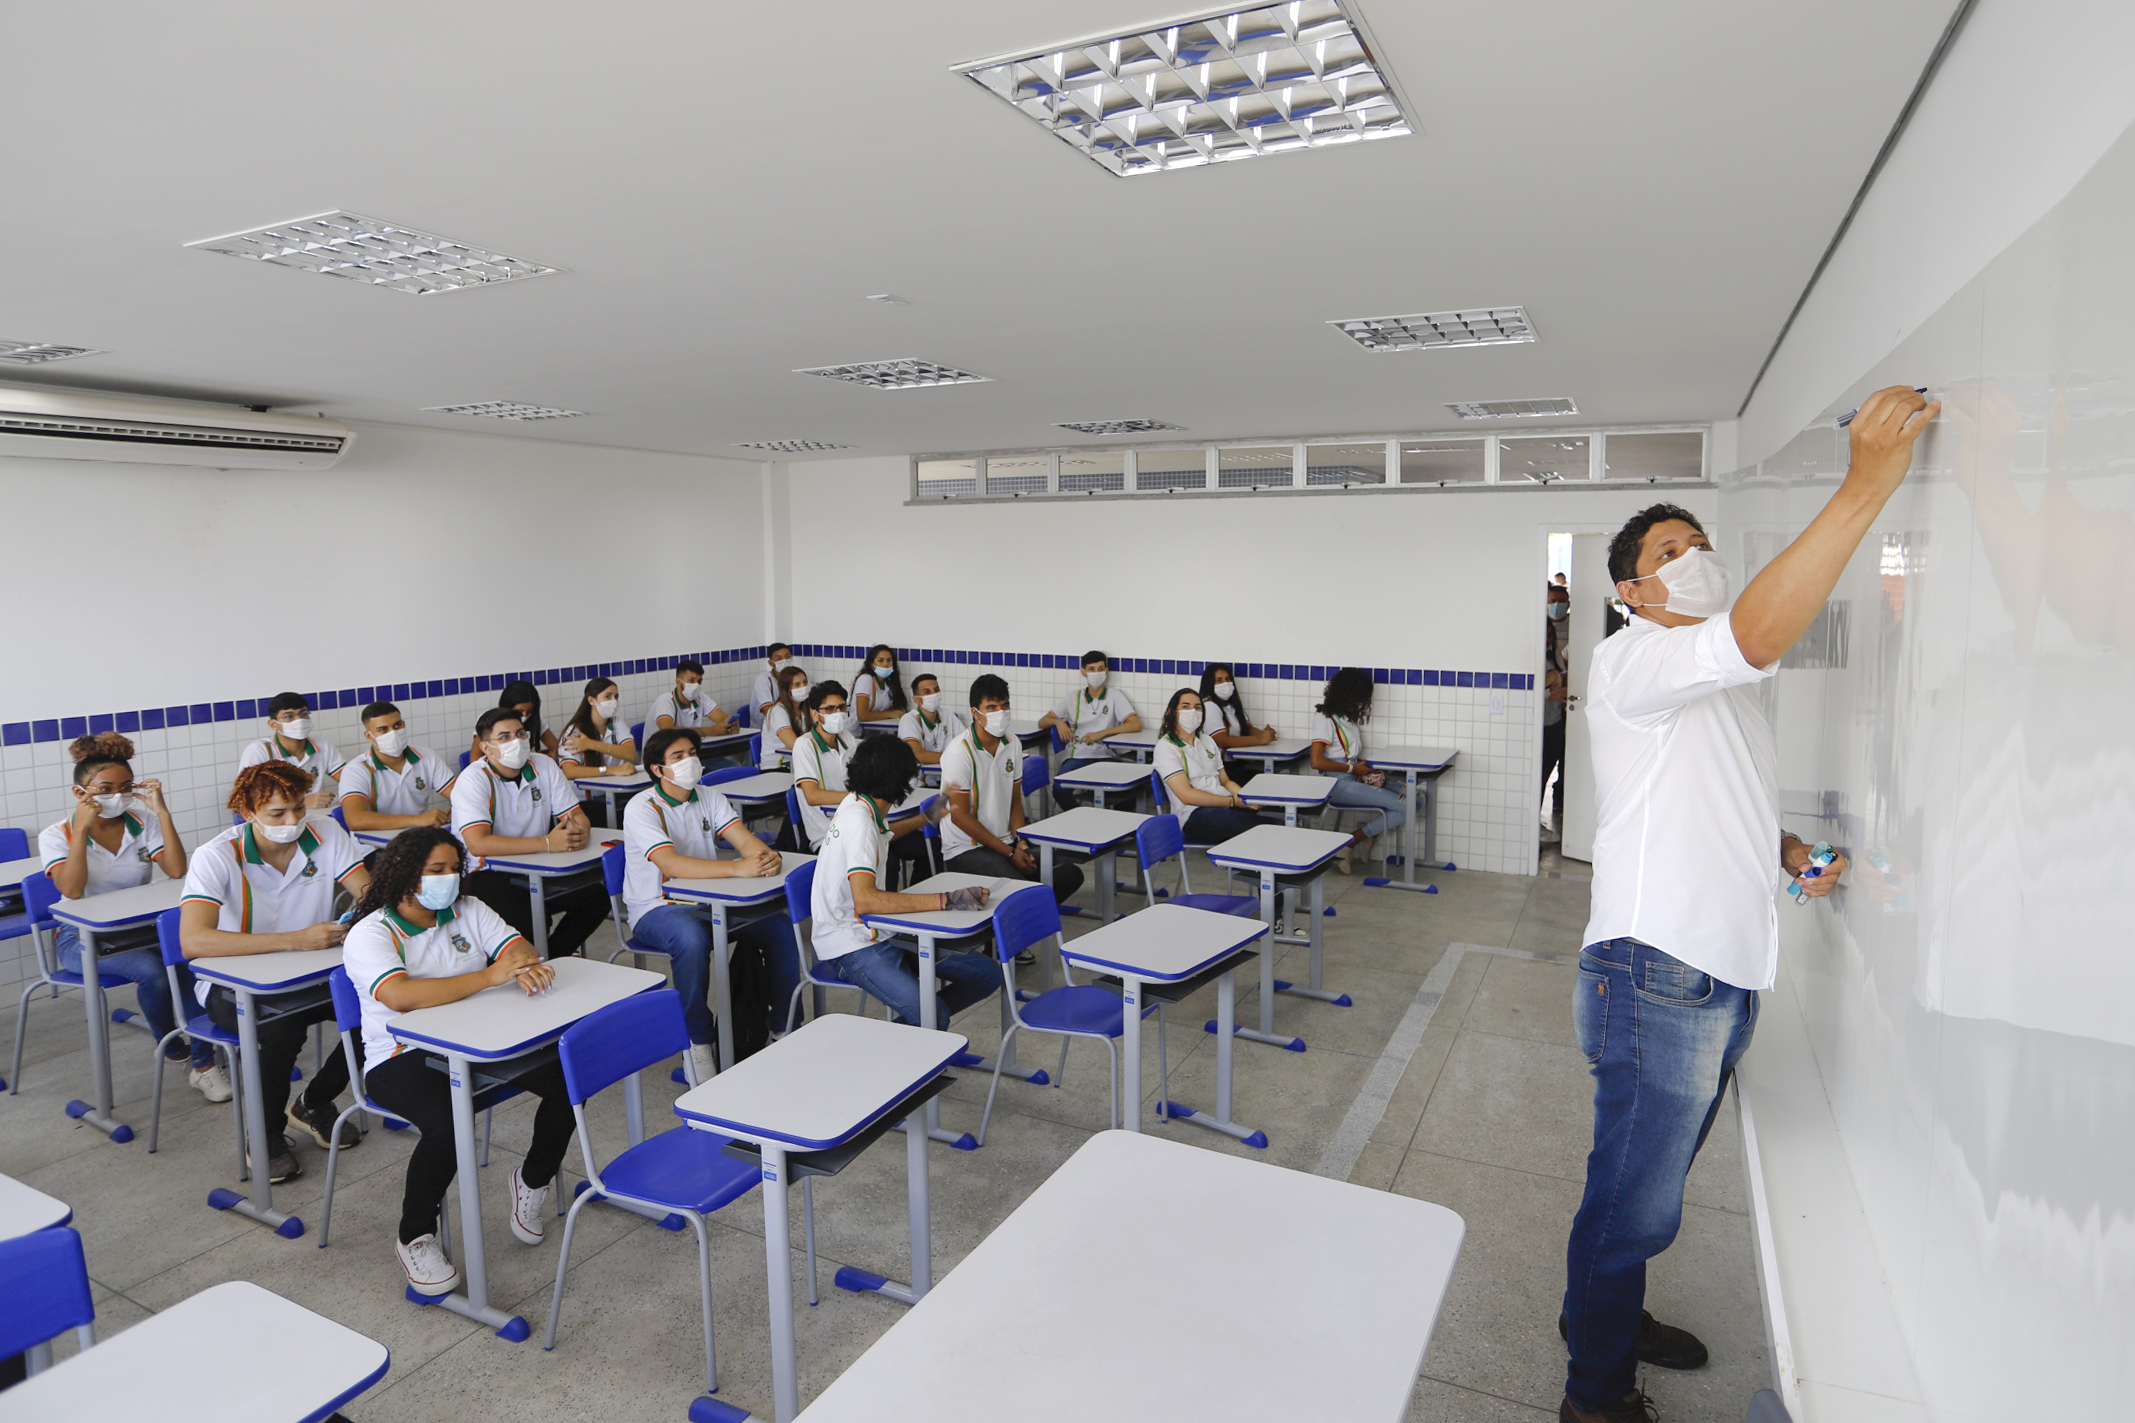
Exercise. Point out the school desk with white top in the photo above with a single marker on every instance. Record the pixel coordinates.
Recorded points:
(1423, 764)
(1087, 830)
(819, 1088)
(560, 871)
(615, 788)
(493, 1026)
(1292, 793)
(1270, 754)
(1126, 1287)
(747, 793)
(1284, 852)
(1173, 950)
(107, 914)
(1141, 745)
(1103, 778)
(234, 1353)
(25, 1209)
(251, 977)
(724, 896)
(12, 872)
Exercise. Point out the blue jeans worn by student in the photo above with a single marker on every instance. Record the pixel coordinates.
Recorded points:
(684, 934)
(885, 972)
(143, 968)
(1392, 805)
(1661, 1039)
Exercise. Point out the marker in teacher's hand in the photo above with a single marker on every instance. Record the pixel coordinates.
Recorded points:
(1847, 418)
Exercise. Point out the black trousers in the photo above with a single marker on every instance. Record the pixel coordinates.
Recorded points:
(281, 1038)
(418, 1093)
(1553, 760)
(583, 910)
(978, 860)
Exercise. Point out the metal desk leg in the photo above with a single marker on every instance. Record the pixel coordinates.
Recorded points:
(473, 1303)
(1225, 1025)
(260, 1206)
(722, 988)
(778, 1265)
(929, 1009)
(1105, 867)
(915, 1187)
(538, 899)
(1429, 816)
(1266, 1032)
(1130, 1051)
(1315, 907)
(97, 1111)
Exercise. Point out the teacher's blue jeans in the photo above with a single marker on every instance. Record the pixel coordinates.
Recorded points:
(143, 968)
(684, 934)
(1661, 1039)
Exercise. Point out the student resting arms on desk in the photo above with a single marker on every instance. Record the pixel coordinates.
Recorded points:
(982, 776)
(878, 689)
(418, 942)
(1689, 859)
(289, 723)
(516, 801)
(1338, 751)
(524, 701)
(926, 728)
(1223, 710)
(595, 742)
(1210, 805)
(849, 873)
(777, 658)
(784, 720)
(119, 833)
(389, 786)
(673, 831)
(1085, 720)
(264, 886)
(819, 762)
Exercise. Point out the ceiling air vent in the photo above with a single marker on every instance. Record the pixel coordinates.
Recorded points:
(379, 254)
(1115, 427)
(790, 447)
(1433, 330)
(36, 353)
(895, 375)
(504, 410)
(1503, 409)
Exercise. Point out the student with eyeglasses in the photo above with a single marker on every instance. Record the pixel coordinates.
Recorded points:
(290, 739)
(524, 699)
(819, 762)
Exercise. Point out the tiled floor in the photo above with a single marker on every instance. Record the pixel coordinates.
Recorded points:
(1489, 1118)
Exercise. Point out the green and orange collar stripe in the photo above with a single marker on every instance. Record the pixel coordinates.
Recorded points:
(408, 755)
(402, 930)
(307, 842)
(659, 788)
(274, 744)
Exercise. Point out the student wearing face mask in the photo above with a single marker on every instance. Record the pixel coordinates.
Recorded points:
(1210, 805)
(265, 885)
(418, 942)
(390, 786)
(878, 690)
(784, 720)
(819, 761)
(516, 801)
(777, 658)
(595, 742)
(289, 739)
(982, 776)
(674, 831)
(688, 703)
(1338, 751)
(1554, 698)
(523, 700)
(926, 728)
(1223, 713)
(118, 835)
(1085, 720)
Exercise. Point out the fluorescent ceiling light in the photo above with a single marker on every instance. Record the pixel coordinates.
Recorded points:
(888, 299)
(1237, 83)
(382, 254)
(1486, 326)
(1501, 409)
(789, 447)
(505, 410)
(895, 375)
(36, 353)
(1115, 427)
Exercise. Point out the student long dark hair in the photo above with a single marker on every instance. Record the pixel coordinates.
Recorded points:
(1348, 695)
(1171, 714)
(892, 680)
(520, 694)
(789, 679)
(1235, 702)
(584, 719)
(397, 870)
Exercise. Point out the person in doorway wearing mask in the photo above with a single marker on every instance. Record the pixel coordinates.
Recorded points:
(926, 728)
(1085, 720)
(265, 885)
(1688, 859)
(777, 658)
(1210, 805)
(982, 775)
(290, 740)
(516, 801)
(522, 699)
(1555, 635)
(390, 786)
(878, 690)
(595, 741)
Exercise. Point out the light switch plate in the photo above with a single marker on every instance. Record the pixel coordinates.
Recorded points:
(1497, 704)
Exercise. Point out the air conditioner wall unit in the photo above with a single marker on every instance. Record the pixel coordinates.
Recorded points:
(45, 423)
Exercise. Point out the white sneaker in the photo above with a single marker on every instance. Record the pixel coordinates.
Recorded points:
(1341, 861)
(530, 1208)
(429, 1270)
(211, 1082)
(704, 1060)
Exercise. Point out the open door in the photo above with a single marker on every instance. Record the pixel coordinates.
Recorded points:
(1591, 592)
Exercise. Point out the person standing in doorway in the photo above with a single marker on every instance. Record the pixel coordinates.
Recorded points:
(1555, 631)
(1688, 857)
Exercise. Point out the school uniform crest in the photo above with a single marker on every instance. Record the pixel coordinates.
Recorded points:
(421, 784)
(141, 853)
(459, 941)
(535, 794)
(311, 867)
(705, 823)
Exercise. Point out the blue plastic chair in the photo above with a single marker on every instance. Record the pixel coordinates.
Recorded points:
(1020, 920)
(756, 749)
(612, 870)
(727, 773)
(14, 845)
(47, 1293)
(194, 1025)
(39, 894)
(338, 818)
(681, 1170)
(463, 760)
(1037, 775)
(800, 908)
(1160, 838)
(637, 735)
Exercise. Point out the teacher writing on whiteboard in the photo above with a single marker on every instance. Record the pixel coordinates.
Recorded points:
(1688, 860)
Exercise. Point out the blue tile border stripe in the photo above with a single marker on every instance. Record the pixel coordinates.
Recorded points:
(22, 733)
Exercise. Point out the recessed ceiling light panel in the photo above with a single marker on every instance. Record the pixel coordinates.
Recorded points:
(1503, 409)
(790, 447)
(37, 353)
(1487, 326)
(505, 410)
(1116, 427)
(381, 254)
(1237, 83)
(895, 375)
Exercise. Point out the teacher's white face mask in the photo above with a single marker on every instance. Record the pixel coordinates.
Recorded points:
(1697, 584)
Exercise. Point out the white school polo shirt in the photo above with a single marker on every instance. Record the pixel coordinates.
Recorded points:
(874, 689)
(128, 867)
(252, 897)
(994, 781)
(1686, 799)
(317, 756)
(1202, 761)
(771, 754)
(615, 735)
(1344, 738)
(654, 819)
(1233, 719)
(765, 689)
(858, 841)
(701, 712)
(524, 807)
(1093, 711)
(934, 733)
(821, 759)
(406, 791)
(382, 946)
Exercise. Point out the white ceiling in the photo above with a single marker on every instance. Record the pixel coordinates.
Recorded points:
(726, 184)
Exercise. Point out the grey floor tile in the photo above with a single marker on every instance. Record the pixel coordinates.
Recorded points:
(1520, 998)
(1512, 1102)
(1436, 1401)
